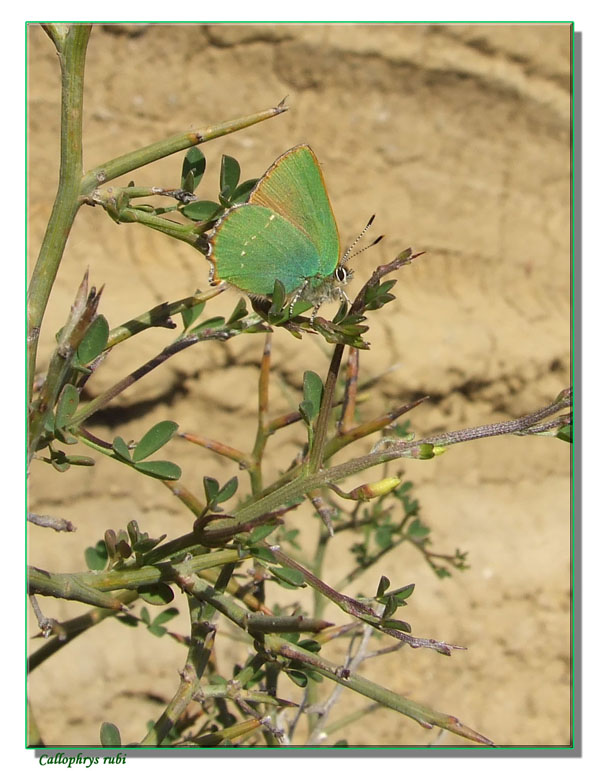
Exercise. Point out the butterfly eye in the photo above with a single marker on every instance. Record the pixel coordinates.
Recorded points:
(342, 274)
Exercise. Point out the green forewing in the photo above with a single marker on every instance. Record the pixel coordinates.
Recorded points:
(253, 246)
(294, 188)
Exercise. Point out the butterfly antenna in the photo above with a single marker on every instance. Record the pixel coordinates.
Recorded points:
(348, 253)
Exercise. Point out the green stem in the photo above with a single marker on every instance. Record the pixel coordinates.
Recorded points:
(71, 56)
(104, 398)
(319, 600)
(159, 316)
(300, 486)
(294, 489)
(315, 460)
(92, 588)
(262, 433)
(167, 227)
(425, 716)
(124, 164)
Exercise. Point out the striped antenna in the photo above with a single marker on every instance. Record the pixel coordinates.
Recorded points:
(348, 253)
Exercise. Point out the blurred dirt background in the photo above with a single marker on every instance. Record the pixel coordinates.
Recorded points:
(458, 138)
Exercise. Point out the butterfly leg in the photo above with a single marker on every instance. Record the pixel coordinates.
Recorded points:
(313, 315)
(297, 295)
(211, 274)
(344, 296)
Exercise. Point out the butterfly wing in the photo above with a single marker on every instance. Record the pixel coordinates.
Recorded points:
(253, 246)
(294, 188)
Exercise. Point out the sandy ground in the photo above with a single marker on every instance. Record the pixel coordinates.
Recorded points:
(458, 138)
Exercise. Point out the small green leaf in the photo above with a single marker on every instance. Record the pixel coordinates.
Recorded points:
(120, 448)
(194, 163)
(59, 462)
(166, 615)
(260, 532)
(384, 535)
(227, 491)
(154, 439)
(109, 735)
(417, 530)
(292, 637)
(160, 469)
(230, 175)
(242, 192)
(133, 530)
(288, 576)
(187, 184)
(565, 433)
(411, 507)
(94, 340)
(387, 285)
(211, 488)
(80, 460)
(262, 554)
(310, 645)
(68, 402)
(299, 308)
(189, 315)
(402, 594)
(96, 556)
(313, 392)
(306, 411)
(402, 626)
(377, 296)
(157, 631)
(277, 299)
(127, 620)
(157, 594)
(201, 211)
(238, 313)
(384, 585)
(391, 606)
(313, 675)
(297, 677)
